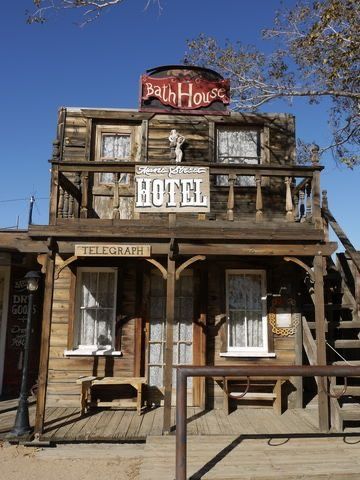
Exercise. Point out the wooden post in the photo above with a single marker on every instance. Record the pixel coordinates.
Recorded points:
(45, 344)
(288, 202)
(231, 200)
(116, 198)
(316, 208)
(60, 210)
(323, 405)
(259, 200)
(84, 194)
(54, 200)
(170, 317)
(296, 398)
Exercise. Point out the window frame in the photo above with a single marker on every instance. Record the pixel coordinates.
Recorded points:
(78, 348)
(247, 351)
(260, 151)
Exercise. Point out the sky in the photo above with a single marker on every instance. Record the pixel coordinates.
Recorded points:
(44, 67)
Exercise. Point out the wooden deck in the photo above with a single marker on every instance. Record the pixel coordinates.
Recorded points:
(100, 425)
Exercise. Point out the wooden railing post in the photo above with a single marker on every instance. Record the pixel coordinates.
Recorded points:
(288, 202)
(66, 204)
(316, 208)
(77, 183)
(60, 211)
(231, 199)
(116, 199)
(84, 194)
(259, 200)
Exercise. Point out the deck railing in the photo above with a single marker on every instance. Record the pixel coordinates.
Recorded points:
(297, 189)
(184, 372)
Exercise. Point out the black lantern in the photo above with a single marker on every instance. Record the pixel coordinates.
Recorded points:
(22, 424)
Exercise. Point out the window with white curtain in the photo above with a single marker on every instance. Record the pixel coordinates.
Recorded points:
(246, 310)
(115, 147)
(238, 145)
(96, 296)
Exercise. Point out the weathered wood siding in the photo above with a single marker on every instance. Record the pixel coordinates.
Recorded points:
(64, 371)
(277, 275)
(77, 136)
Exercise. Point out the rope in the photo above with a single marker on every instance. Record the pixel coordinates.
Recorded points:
(337, 353)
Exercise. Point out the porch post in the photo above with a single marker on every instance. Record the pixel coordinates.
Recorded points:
(323, 405)
(170, 316)
(45, 344)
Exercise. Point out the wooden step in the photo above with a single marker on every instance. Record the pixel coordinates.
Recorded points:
(253, 396)
(347, 343)
(350, 412)
(354, 363)
(351, 390)
(351, 324)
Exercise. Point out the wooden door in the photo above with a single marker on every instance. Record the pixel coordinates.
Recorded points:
(183, 332)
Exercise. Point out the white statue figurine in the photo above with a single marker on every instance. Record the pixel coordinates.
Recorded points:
(176, 141)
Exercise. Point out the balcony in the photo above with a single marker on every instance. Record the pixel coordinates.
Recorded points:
(248, 201)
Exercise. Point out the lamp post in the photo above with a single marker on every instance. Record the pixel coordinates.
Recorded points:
(22, 425)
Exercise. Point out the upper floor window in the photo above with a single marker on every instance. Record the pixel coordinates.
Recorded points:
(114, 144)
(238, 145)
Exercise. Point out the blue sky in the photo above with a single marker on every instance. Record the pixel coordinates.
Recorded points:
(58, 64)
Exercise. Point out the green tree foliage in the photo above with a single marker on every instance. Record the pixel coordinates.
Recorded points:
(316, 55)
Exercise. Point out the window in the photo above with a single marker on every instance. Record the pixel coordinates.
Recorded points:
(246, 311)
(115, 147)
(238, 145)
(96, 309)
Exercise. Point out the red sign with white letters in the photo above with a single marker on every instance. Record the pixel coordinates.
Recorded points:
(184, 89)
(185, 94)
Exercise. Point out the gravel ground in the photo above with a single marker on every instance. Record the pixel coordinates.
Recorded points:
(71, 462)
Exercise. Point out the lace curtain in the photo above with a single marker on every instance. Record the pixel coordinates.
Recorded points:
(115, 148)
(182, 348)
(97, 309)
(245, 311)
(237, 146)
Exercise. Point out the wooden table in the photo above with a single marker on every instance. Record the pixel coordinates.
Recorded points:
(88, 382)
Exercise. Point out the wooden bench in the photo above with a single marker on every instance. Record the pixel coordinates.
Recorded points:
(88, 382)
(261, 389)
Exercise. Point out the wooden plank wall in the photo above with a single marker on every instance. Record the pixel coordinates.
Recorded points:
(277, 139)
(64, 371)
(278, 274)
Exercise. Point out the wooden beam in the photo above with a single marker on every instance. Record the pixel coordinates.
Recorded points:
(184, 229)
(170, 317)
(45, 344)
(323, 405)
(250, 249)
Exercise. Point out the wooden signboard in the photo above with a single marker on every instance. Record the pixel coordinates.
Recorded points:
(16, 327)
(172, 188)
(185, 89)
(112, 250)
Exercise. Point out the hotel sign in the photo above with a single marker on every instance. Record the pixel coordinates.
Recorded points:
(172, 188)
(112, 250)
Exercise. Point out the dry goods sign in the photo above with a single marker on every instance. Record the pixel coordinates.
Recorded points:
(172, 188)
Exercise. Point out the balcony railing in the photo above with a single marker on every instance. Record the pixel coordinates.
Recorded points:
(288, 193)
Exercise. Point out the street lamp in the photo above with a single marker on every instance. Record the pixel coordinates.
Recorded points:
(22, 425)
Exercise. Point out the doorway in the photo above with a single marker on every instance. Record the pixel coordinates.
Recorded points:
(183, 332)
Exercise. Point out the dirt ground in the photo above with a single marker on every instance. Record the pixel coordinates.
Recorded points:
(73, 462)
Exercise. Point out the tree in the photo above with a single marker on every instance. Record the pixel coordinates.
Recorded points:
(89, 9)
(317, 56)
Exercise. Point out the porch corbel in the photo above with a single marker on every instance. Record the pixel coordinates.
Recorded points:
(64, 264)
(187, 263)
(159, 266)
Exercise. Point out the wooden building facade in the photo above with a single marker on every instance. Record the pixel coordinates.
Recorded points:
(149, 265)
